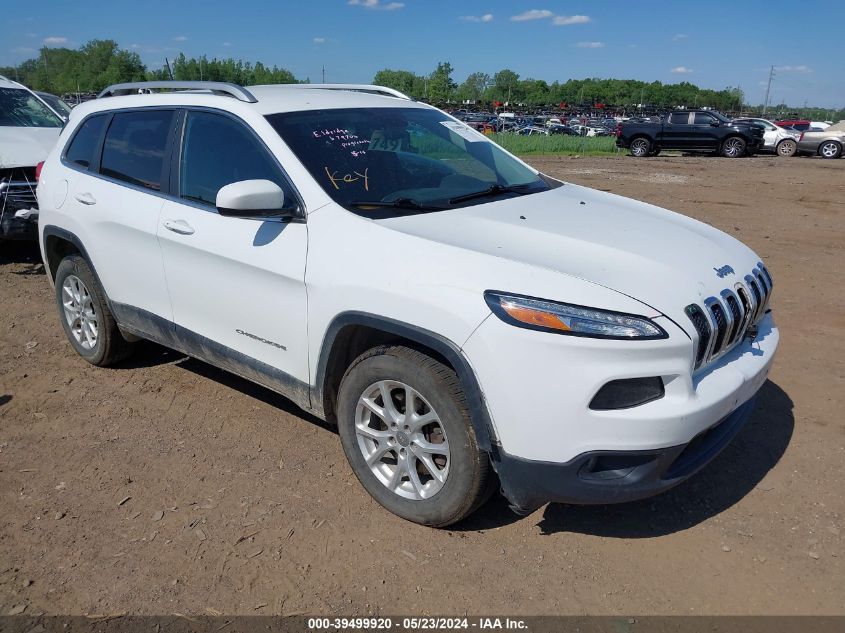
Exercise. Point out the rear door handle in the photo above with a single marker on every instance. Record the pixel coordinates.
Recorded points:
(85, 198)
(179, 226)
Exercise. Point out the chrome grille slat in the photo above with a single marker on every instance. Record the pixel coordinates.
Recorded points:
(723, 321)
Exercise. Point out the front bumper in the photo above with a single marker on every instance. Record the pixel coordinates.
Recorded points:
(15, 228)
(553, 447)
(614, 476)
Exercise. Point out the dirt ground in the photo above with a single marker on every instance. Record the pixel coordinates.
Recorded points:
(167, 486)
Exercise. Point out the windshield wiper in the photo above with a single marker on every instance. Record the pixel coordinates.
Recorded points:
(492, 190)
(399, 203)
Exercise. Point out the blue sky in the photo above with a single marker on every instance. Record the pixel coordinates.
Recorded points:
(713, 43)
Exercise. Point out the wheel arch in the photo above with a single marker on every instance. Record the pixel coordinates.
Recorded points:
(58, 244)
(352, 333)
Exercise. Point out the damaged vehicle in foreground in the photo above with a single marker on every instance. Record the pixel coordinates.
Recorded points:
(28, 131)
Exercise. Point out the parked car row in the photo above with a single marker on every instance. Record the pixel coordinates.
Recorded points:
(710, 132)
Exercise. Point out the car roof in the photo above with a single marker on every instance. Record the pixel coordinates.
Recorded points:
(264, 99)
(5, 82)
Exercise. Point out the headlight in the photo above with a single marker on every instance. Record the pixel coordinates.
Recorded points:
(575, 320)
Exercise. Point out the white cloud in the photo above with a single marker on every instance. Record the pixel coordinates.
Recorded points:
(227, 44)
(794, 69)
(590, 45)
(376, 4)
(135, 46)
(566, 20)
(487, 17)
(54, 41)
(681, 70)
(180, 38)
(679, 36)
(533, 14)
(319, 40)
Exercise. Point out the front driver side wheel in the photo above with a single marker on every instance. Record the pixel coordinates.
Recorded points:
(404, 425)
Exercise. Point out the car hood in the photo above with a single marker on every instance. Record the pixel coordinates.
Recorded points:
(26, 146)
(660, 258)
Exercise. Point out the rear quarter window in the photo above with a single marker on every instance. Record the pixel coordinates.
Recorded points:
(85, 141)
(134, 148)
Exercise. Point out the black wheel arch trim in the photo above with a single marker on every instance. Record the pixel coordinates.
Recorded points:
(479, 415)
(55, 231)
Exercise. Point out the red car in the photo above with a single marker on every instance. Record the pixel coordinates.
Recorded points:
(802, 125)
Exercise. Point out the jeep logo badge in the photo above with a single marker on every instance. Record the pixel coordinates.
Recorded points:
(724, 271)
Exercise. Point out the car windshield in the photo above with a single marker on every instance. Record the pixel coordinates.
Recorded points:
(54, 102)
(414, 159)
(720, 116)
(21, 108)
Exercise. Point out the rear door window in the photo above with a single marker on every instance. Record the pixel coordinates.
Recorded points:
(86, 140)
(135, 146)
(679, 118)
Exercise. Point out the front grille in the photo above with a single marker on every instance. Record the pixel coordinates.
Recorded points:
(722, 321)
(17, 191)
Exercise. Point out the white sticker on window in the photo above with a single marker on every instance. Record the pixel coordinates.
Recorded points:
(463, 131)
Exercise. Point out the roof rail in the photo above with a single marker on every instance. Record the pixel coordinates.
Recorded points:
(371, 89)
(216, 87)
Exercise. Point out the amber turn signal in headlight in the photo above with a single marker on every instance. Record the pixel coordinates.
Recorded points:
(566, 318)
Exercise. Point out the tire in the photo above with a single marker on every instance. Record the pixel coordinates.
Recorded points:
(640, 147)
(830, 149)
(398, 479)
(85, 316)
(786, 148)
(734, 147)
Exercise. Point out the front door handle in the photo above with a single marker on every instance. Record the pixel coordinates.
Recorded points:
(85, 198)
(179, 226)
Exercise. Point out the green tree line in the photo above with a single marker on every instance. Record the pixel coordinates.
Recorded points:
(100, 63)
(506, 86)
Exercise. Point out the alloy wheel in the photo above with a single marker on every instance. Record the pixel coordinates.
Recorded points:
(79, 312)
(830, 150)
(639, 147)
(402, 440)
(733, 147)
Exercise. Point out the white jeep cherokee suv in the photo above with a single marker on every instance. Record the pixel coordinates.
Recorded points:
(462, 318)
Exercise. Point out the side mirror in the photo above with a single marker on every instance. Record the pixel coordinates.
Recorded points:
(715, 123)
(253, 199)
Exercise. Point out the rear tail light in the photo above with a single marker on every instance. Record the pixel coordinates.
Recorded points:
(801, 138)
(38, 170)
(618, 130)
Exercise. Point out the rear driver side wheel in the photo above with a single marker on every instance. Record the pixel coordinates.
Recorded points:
(85, 315)
(405, 427)
(786, 148)
(640, 147)
(830, 149)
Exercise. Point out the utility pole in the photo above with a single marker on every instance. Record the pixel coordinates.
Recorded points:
(324, 73)
(768, 89)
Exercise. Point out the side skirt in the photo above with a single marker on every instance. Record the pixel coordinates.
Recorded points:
(159, 330)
